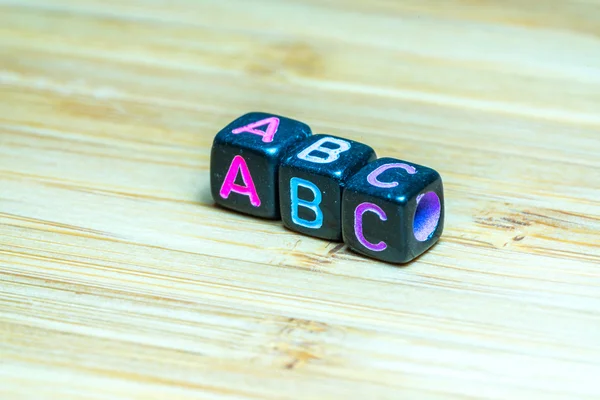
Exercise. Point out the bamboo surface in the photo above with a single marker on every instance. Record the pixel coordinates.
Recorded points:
(119, 278)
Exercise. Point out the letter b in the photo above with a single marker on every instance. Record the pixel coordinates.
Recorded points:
(313, 205)
(332, 154)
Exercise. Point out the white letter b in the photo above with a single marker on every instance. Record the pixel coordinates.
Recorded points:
(332, 154)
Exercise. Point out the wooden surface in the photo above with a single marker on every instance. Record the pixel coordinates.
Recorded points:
(120, 279)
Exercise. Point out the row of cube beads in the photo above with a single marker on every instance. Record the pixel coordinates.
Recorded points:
(328, 187)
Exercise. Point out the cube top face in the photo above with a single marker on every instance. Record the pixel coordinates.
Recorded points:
(329, 156)
(393, 210)
(311, 181)
(245, 159)
(266, 134)
(395, 180)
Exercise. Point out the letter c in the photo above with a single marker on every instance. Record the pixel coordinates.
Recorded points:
(358, 225)
(372, 178)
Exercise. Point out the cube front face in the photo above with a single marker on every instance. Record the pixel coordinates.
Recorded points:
(311, 182)
(393, 210)
(245, 159)
(242, 181)
(310, 204)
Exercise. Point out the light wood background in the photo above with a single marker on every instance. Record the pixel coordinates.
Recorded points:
(120, 279)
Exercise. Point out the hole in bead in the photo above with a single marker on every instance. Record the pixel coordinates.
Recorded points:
(427, 216)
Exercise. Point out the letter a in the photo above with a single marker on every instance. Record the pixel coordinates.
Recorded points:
(267, 135)
(238, 165)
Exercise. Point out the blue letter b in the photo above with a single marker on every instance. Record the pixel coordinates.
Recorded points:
(311, 205)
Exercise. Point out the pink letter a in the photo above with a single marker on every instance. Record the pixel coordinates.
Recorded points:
(267, 135)
(239, 165)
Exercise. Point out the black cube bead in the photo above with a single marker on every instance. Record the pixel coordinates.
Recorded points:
(393, 210)
(245, 158)
(312, 178)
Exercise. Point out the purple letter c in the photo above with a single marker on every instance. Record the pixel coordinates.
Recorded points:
(372, 178)
(358, 225)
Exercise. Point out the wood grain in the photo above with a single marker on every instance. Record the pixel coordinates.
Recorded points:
(120, 279)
